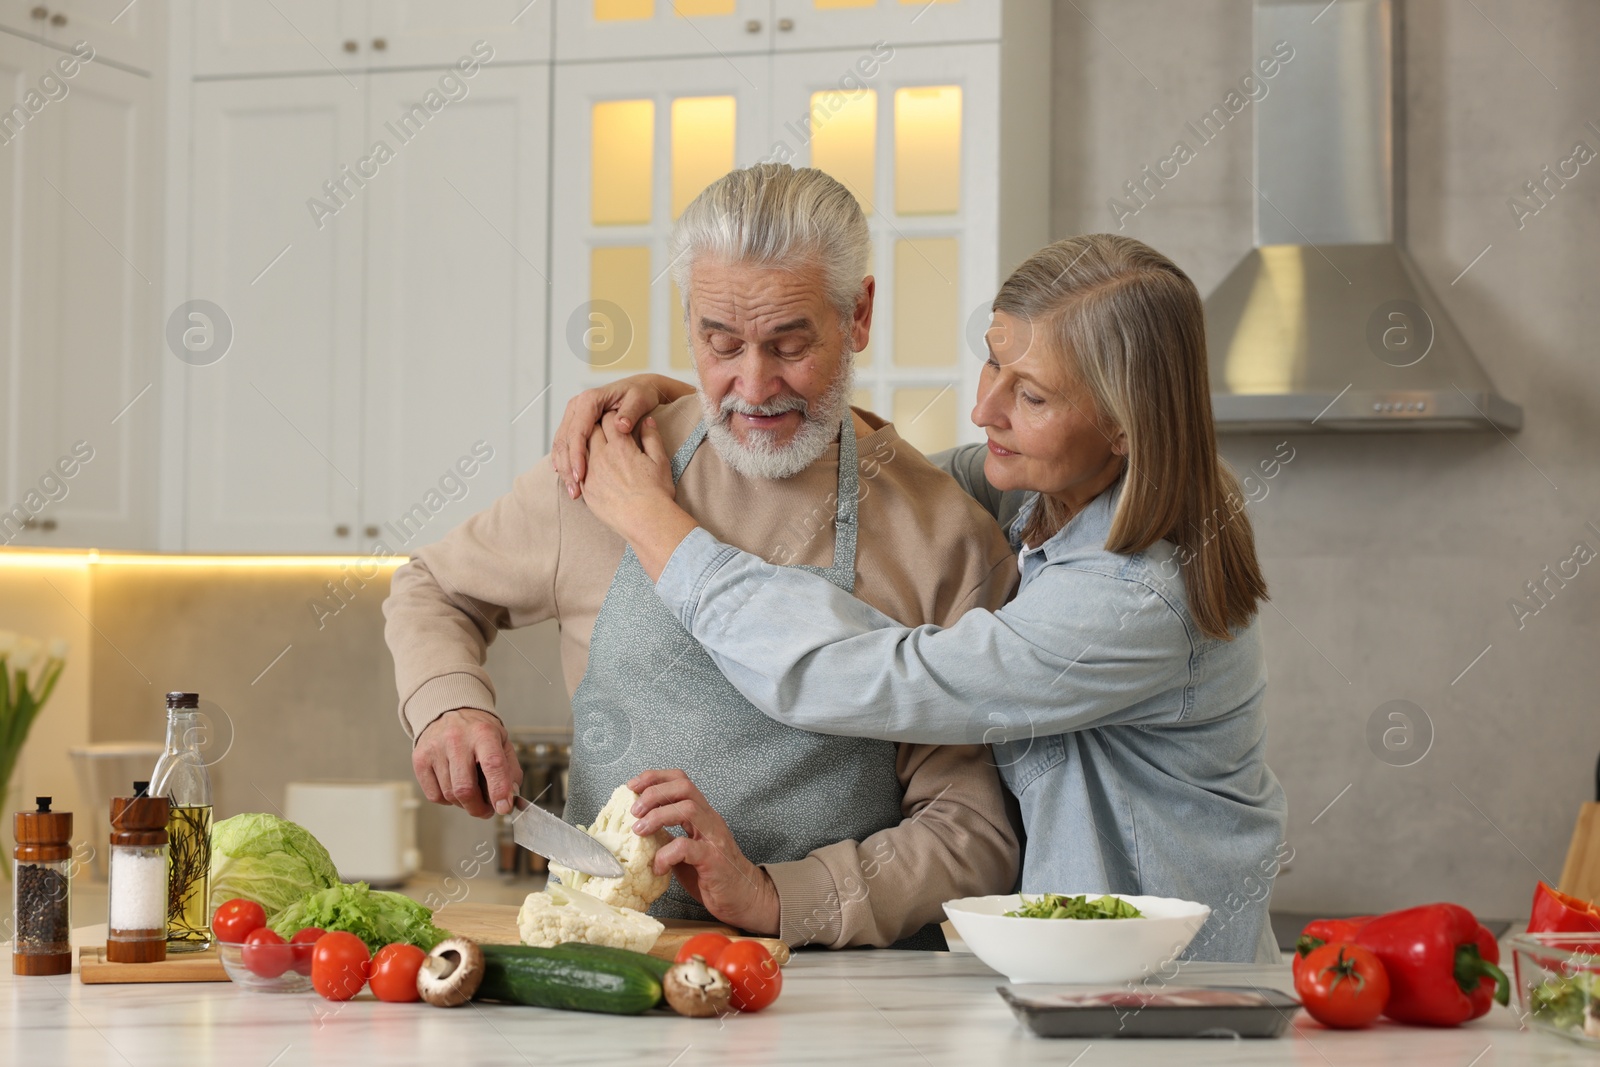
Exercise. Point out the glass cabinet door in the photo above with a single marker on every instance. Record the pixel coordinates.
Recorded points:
(898, 132)
(810, 24)
(633, 145)
(617, 29)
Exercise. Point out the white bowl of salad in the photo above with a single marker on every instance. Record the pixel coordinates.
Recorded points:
(1078, 938)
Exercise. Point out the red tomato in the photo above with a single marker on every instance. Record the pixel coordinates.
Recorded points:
(266, 954)
(1343, 985)
(302, 943)
(339, 965)
(235, 920)
(394, 973)
(709, 946)
(754, 974)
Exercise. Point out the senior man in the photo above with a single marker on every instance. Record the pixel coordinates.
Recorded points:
(814, 839)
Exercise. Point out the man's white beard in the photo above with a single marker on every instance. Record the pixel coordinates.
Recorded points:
(759, 455)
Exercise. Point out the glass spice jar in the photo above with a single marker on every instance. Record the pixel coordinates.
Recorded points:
(43, 930)
(136, 930)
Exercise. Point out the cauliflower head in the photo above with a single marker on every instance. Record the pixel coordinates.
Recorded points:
(639, 886)
(564, 914)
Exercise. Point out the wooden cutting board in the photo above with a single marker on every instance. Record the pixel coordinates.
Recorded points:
(496, 924)
(94, 969)
(1581, 875)
(493, 924)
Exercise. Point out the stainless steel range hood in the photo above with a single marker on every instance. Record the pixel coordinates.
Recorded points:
(1327, 324)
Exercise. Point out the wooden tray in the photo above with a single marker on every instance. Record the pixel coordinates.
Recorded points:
(94, 969)
(496, 924)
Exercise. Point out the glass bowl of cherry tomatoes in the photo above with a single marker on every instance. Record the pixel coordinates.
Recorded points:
(255, 957)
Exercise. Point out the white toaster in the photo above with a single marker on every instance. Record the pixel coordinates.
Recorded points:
(369, 828)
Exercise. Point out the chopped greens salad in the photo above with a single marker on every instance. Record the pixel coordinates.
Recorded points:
(1056, 906)
(1568, 1003)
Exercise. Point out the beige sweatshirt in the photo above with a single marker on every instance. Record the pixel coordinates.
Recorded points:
(926, 553)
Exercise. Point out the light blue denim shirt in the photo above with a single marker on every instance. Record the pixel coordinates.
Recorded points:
(1134, 743)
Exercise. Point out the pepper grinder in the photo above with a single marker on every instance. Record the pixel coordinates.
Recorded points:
(43, 899)
(136, 930)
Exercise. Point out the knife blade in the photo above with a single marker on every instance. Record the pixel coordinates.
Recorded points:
(539, 831)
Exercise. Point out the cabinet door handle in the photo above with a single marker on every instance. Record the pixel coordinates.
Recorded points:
(40, 12)
(47, 525)
(351, 45)
(371, 531)
(379, 44)
(58, 19)
(786, 25)
(341, 530)
(752, 26)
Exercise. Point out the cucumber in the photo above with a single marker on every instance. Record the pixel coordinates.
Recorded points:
(565, 979)
(654, 964)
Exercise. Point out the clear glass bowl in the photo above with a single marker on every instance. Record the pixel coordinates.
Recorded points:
(290, 981)
(1558, 984)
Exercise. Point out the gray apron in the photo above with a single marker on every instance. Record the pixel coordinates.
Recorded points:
(652, 698)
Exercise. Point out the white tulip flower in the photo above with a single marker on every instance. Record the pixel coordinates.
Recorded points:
(57, 649)
(25, 654)
(8, 641)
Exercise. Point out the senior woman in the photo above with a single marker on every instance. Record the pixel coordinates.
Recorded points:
(1122, 688)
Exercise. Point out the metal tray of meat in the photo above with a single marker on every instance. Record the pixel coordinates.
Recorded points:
(1173, 1011)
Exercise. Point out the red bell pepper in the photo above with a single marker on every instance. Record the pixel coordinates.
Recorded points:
(1561, 913)
(1321, 932)
(1441, 963)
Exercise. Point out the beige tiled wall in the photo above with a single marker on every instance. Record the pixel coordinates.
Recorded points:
(325, 709)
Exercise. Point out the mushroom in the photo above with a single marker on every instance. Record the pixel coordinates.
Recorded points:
(451, 973)
(697, 990)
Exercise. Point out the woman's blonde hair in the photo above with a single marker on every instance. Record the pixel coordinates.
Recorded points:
(1130, 325)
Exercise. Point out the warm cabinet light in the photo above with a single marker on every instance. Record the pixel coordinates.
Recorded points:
(94, 557)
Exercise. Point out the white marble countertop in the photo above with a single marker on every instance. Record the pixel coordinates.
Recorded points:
(883, 1008)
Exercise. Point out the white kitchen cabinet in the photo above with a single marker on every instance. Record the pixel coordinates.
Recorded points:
(617, 29)
(946, 147)
(429, 32)
(637, 141)
(456, 287)
(78, 304)
(236, 38)
(273, 427)
(129, 35)
(123, 32)
(811, 24)
(916, 148)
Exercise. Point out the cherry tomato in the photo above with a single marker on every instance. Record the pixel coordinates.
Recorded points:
(266, 954)
(1343, 986)
(754, 974)
(234, 921)
(302, 943)
(394, 973)
(339, 965)
(709, 946)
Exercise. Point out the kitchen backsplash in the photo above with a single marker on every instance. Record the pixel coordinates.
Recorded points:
(304, 694)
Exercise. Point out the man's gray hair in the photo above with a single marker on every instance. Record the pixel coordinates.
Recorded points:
(774, 215)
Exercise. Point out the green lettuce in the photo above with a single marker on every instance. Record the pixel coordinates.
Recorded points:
(269, 860)
(375, 916)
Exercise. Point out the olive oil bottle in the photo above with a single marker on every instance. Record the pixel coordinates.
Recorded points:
(182, 778)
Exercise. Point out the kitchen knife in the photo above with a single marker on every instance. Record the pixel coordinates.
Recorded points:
(538, 831)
